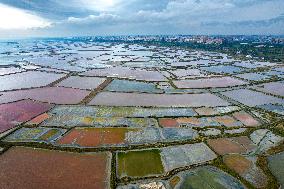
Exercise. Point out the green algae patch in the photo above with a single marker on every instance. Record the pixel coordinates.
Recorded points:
(139, 163)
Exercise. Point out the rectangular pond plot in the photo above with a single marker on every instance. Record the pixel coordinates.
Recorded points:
(239, 145)
(168, 123)
(207, 111)
(226, 109)
(158, 100)
(184, 91)
(27, 168)
(126, 73)
(44, 69)
(43, 61)
(251, 98)
(144, 64)
(276, 108)
(155, 112)
(39, 134)
(38, 119)
(56, 62)
(274, 74)
(54, 95)
(225, 69)
(275, 163)
(253, 76)
(10, 70)
(144, 136)
(81, 82)
(187, 73)
(180, 64)
(275, 88)
(28, 79)
(68, 67)
(132, 86)
(246, 119)
(197, 122)
(15, 113)
(200, 63)
(209, 83)
(94, 137)
(152, 135)
(279, 70)
(71, 120)
(178, 134)
(139, 163)
(227, 121)
(108, 111)
(169, 89)
(265, 64)
(246, 64)
(94, 63)
(186, 155)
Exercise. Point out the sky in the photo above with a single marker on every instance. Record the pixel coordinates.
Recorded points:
(56, 18)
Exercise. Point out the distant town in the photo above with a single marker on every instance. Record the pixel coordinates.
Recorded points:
(204, 39)
(260, 47)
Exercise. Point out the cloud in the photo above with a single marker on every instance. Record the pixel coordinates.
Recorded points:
(13, 18)
(190, 16)
(99, 5)
(188, 8)
(92, 19)
(182, 11)
(96, 17)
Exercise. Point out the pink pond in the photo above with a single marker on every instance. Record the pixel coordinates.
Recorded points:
(17, 112)
(54, 95)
